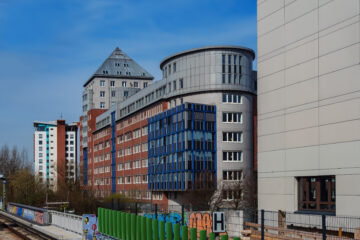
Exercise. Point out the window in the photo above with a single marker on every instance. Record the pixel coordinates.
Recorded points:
(231, 156)
(232, 175)
(317, 193)
(123, 84)
(40, 148)
(231, 98)
(102, 93)
(102, 104)
(127, 179)
(144, 131)
(169, 87)
(181, 83)
(232, 118)
(120, 153)
(169, 69)
(112, 83)
(137, 133)
(127, 165)
(40, 167)
(102, 83)
(145, 84)
(144, 163)
(136, 84)
(113, 93)
(232, 136)
(231, 194)
(120, 138)
(40, 154)
(174, 67)
(120, 180)
(40, 135)
(174, 84)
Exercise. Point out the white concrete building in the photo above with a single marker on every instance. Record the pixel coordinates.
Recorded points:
(55, 151)
(309, 105)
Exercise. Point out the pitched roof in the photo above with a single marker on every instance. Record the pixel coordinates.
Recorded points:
(120, 65)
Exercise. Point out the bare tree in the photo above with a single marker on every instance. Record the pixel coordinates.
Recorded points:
(239, 194)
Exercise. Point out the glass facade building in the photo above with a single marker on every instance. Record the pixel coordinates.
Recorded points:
(182, 148)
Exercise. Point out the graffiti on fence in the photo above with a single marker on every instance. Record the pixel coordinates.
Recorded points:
(90, 227)
(173, 217)
(201, 221)
(39, 217)
(28, 214)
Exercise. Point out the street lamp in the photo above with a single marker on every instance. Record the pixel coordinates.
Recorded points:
(3, 180)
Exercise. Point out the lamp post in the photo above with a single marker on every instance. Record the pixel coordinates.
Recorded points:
(3, 180)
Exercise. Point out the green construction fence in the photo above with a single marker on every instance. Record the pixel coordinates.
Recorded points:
(128, 226)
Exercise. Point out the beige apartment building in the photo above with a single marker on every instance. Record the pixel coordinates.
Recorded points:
(309, 106)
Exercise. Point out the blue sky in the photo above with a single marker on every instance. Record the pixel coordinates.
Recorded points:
(49, 48)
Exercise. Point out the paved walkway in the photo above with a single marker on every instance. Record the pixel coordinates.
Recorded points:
(50, 230)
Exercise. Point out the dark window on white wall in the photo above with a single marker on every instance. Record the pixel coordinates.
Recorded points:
(317, 193)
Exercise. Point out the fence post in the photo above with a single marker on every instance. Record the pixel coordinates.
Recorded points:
(133, 226)
(136, 208)
(323, 218)
(149, 233)
(143, 228)
(169, 231)
(184, 232)
(182, 215)
(202, 234)
(118, 222)
(139, 228)
(156, 209)
(262, 225)
(176, 231)
(155, 229)
(162, 230)
(193, 233)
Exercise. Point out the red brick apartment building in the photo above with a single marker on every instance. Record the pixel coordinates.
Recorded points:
(131, 156)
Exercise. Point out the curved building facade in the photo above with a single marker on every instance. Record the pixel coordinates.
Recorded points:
(212, 90)
(221, 76)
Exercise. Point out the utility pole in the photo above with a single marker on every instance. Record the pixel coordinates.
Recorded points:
(3, 180)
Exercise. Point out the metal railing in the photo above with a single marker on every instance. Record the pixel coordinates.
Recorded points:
(66, 221)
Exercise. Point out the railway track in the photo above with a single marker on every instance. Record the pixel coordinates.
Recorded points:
(15, 230)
